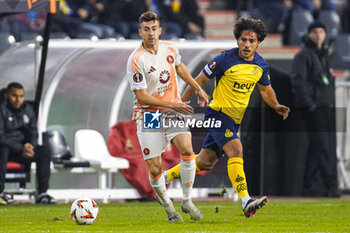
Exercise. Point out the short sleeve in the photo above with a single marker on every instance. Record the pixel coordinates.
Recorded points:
(136, 75)
(265, 78)
(178, 57)
(213, 68)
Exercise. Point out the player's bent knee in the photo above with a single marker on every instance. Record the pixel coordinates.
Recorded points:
(187, 153)
(183, 144)
(155, 169)
(206, 166)
(238, 155)
(233, 148)
(155, 172)
(234, 152)
(186, 150)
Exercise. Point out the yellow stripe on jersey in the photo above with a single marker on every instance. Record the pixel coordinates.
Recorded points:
(235, 82)
(233, 90)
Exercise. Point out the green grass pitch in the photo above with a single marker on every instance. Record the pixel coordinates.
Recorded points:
(307, 215)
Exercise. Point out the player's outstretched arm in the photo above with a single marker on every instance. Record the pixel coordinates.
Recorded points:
(146, 99)
(194, 86)
(269, 96)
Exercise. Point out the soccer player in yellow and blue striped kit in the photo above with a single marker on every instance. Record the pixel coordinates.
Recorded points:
(236, 72)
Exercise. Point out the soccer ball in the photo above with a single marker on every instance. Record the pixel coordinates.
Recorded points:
(84, 211)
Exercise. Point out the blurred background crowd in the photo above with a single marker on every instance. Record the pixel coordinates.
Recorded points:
(189, 19)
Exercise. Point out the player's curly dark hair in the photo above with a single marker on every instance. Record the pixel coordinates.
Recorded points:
(255, 25)
(148, 16)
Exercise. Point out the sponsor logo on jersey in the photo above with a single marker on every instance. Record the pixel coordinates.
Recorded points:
(164, 88)
(243, 86)
(212, 64)
(164, 76)
(137, 78)
(170, 59)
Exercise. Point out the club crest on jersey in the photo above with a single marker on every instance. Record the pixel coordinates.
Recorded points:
(170, 59)
(212, 64)
(138, 78)
(255, 71)
(164, 76)
(228, 133)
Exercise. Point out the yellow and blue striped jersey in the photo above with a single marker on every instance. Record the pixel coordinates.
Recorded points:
(235, 81)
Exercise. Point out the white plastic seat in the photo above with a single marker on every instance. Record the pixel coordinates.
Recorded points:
(91, 146)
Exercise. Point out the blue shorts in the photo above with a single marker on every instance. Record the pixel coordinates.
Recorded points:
(217, 137)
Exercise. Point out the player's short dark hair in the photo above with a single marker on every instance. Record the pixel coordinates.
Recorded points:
(148, 16)
(255, 25)
(14, 85)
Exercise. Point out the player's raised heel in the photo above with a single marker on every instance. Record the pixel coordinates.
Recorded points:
(173, 215)
(253, 205)
(189, 208)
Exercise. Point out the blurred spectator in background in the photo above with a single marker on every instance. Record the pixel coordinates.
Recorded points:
(62, 22)
(186, 14)
(275, 13)
(82, 10)
(76, 18)
(134, 8)
(23, 26)
(313, 90)
(19, 142)
(314, 6)
(109, 12)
